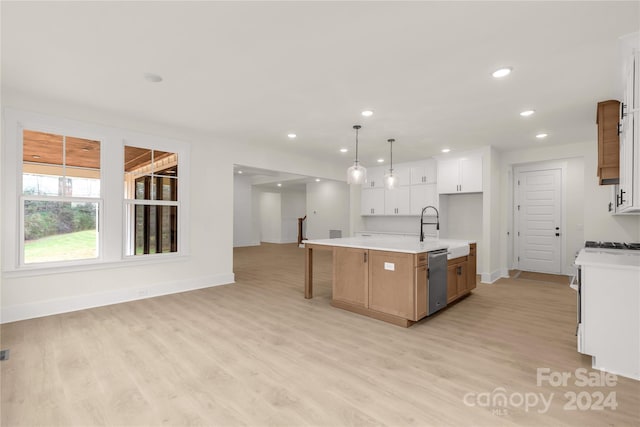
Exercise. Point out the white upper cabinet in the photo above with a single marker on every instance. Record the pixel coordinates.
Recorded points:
(403, 173)
(460, 175)
(372, 201)
(416, 189)
(423, 172)
(627, 197)
(375, 177)
(396, 201)
(448, 176)
(471, 174)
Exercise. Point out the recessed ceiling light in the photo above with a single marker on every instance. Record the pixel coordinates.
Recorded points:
(367, 113)
(279, 185)
(541, 135)
(317, 179)
(445, 150)
(527, 113)
(152, 78)
(380, 160)
(291, 135)
(240, 172)
(35, 156)
(502, 72)
(343, 150)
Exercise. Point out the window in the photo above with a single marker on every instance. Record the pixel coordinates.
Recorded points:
(60, 203)
(151, 201)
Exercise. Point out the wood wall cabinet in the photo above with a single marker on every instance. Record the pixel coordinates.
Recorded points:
(607, 118)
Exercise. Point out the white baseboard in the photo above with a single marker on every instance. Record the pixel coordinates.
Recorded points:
(81, 302)
(494, 275)
(245, 244)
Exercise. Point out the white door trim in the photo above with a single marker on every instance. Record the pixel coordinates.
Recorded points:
(529, 167)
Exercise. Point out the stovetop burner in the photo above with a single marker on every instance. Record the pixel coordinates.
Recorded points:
(612, 245)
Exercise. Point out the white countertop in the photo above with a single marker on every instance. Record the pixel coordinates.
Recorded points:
(609, 258)
(407, 244)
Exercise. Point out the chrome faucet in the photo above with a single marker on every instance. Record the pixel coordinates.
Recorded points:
(437, 223)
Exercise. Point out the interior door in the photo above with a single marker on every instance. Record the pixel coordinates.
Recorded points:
(538, 220)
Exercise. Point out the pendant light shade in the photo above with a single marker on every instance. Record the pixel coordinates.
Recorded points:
(390, 180)
(356, 174)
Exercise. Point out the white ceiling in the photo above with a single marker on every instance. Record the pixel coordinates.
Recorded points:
(268, 180)
(255, 71)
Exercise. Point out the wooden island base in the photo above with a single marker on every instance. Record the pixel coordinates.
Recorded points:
(388, 286)
(389, 318)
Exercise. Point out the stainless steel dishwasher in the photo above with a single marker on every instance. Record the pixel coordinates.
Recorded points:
(437, 280)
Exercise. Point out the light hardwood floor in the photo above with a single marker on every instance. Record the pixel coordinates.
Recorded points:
(257, 353)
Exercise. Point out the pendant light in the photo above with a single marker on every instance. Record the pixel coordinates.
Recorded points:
(390, 180)
(356, 174)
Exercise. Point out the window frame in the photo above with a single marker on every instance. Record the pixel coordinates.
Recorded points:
(111, 219)
(128, 234)
(65, 132)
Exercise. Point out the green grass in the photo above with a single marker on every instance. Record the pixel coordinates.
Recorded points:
(62, 247)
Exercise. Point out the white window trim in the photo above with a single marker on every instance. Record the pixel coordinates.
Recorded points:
(112, 250)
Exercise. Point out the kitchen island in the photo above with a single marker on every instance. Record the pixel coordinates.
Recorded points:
(388, 278)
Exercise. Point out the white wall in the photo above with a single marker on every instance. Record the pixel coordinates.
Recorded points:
(246, 228)
(270, 217)
(327, 209)
(210, 257)
(463, 219)
(400, 224)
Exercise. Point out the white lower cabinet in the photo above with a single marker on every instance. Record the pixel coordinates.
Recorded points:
(608, 315)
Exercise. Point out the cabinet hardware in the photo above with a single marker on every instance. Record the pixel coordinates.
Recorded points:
(622, 112)
(365, 257)
(610, 206)
(557, 234)
(622, 200)
(619, 128)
